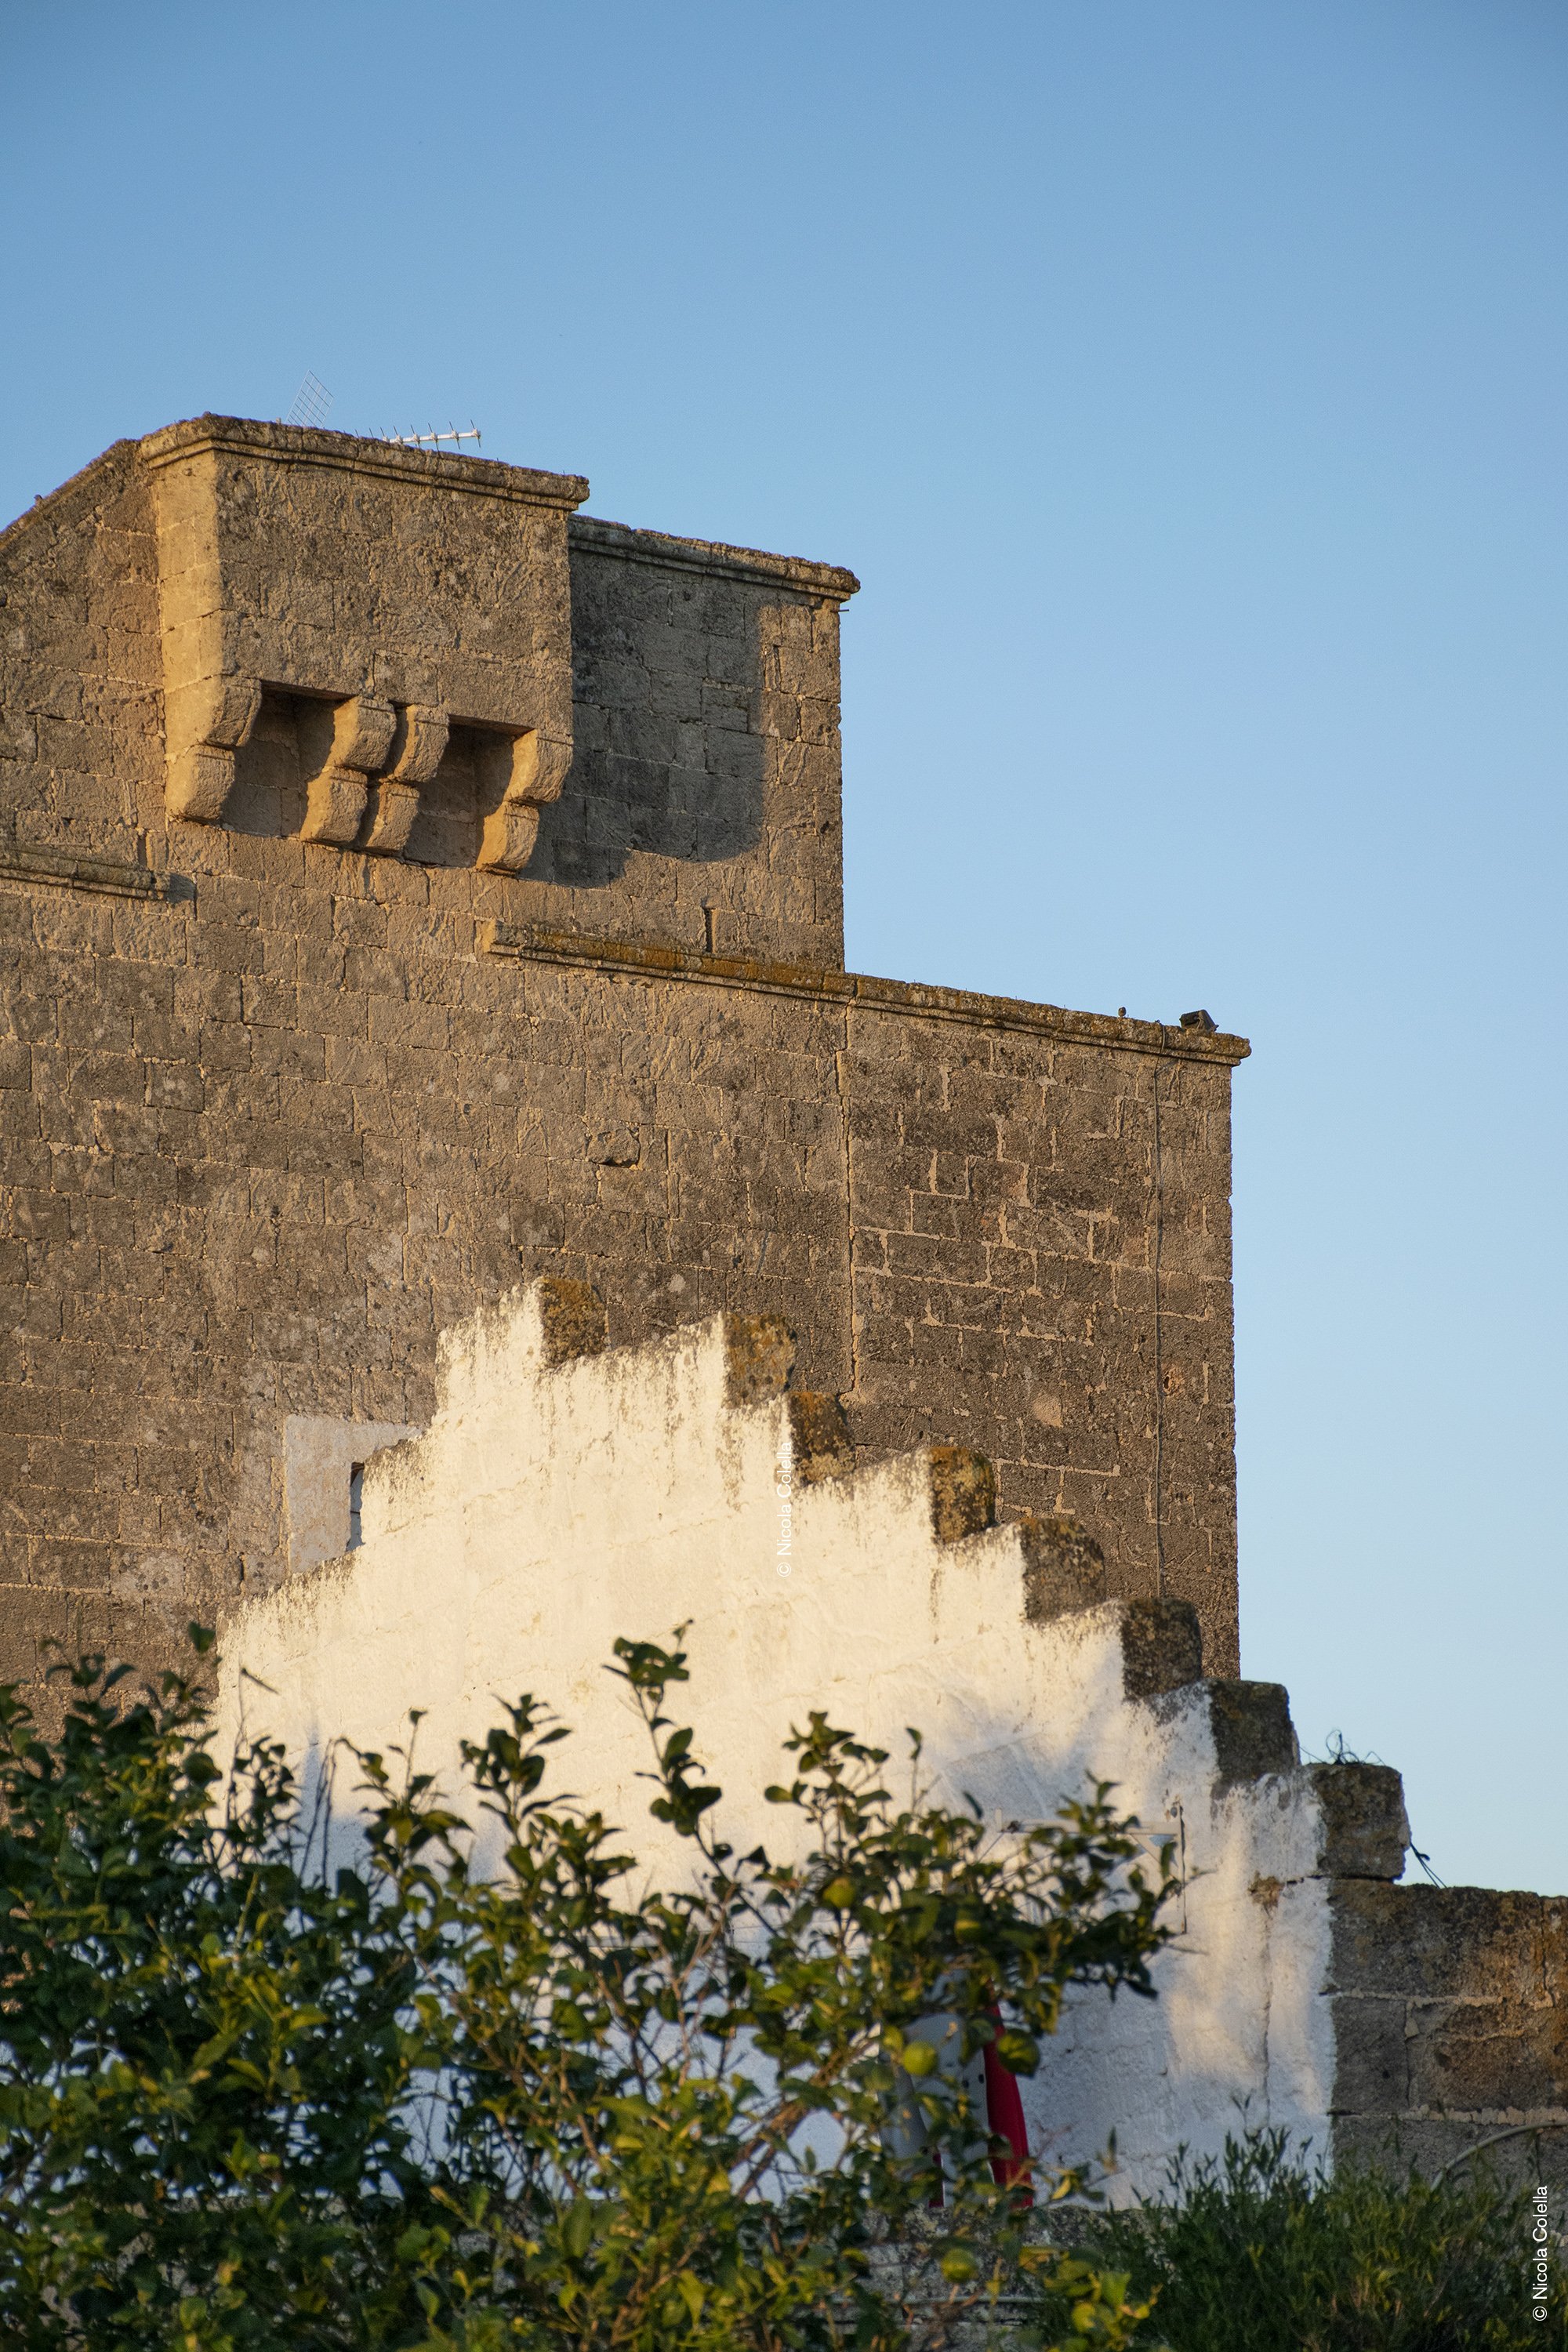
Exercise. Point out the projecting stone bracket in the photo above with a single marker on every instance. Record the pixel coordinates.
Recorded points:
(335, 798)
(527, 770)
(206, 724)
(418, 740)
(367, 791)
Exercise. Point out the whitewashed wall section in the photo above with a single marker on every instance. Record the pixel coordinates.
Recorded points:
(564, 1494)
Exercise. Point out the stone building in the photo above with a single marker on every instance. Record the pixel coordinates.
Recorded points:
(405, 882)
(419, 902)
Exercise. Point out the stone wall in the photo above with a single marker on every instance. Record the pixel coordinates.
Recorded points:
(565, 1494)
(274, 1109)
(706, 751)
(1450, 2026)
(407, 883)
(1042, 1268)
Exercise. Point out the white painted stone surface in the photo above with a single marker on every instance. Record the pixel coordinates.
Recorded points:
(318, 1456)
(548, 1509)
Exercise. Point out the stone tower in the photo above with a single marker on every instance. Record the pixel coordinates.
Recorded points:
(409, 886)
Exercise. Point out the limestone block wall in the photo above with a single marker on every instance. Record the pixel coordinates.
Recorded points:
(275, 574)
(1041, 1238)
(81, 669)
(275, 1110)
(1450, 2015)
(564, 1494)
(707, 756)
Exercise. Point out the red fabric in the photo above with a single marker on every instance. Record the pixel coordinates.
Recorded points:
(1005, 2109)
(1005, 2116)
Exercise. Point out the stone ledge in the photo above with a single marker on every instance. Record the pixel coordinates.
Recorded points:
(66, 870)
(532, 943)
(353, 453)
(628, 545)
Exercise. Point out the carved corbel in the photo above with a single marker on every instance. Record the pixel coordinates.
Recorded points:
(417, 742)
(204, 725)
(362, 736)
(531, 769)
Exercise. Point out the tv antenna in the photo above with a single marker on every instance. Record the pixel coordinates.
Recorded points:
(434, 438)
(311, 402)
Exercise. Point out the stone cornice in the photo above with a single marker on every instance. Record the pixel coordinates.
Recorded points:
(530, 943)
(295, 444)
(621, 542)
(68, 870)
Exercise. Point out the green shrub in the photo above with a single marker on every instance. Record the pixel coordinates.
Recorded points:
(1256, 2254)
(250, 2100)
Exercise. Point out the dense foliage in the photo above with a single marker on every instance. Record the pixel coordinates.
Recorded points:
(1258, 2252)
(263, 2085)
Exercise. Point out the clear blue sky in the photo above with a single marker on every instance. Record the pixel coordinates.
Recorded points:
(1187, 384)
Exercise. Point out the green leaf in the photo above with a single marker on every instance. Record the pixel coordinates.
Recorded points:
(577, 2229)
(266, 2101)
(1019, 2053)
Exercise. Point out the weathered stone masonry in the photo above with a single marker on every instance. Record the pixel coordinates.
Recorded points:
(278, 1108)
(409, 887)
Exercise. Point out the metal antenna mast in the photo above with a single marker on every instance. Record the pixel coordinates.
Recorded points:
(434, 438)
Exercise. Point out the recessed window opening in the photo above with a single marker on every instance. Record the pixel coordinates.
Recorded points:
(356, 1498)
